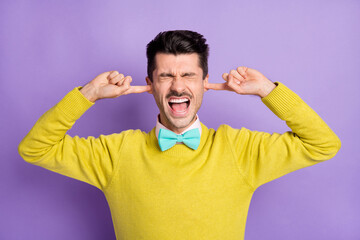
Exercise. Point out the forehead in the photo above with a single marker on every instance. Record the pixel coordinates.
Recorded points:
(174, 63)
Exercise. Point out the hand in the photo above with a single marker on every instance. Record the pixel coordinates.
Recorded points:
(111, 85)
(244, 80)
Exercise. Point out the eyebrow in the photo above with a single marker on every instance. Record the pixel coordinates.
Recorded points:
(187, 74)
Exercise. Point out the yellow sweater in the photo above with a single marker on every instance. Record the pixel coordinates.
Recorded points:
(180, 193)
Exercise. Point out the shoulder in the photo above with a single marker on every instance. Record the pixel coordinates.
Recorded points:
(226, 129)
(241, 134)
(131, 135)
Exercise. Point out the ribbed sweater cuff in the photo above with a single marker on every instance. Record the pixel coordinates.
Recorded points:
(281, 100)
(74, 104)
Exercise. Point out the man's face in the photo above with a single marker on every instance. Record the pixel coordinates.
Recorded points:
(178, 89)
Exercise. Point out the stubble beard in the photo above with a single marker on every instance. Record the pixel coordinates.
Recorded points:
(177, 124)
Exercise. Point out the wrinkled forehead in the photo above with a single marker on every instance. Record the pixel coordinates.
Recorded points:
(177, 64)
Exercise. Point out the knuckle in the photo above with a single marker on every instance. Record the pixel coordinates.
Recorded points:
(242, 69)
(114, 73)
(232, 71)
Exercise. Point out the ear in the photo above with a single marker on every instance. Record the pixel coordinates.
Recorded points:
(205, 82)
(148, 82)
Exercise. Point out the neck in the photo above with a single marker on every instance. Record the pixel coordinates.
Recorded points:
(177, 130)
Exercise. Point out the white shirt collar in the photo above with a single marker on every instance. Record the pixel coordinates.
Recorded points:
(195, 125)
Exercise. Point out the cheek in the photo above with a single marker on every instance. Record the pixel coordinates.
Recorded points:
(199, 94)
(198, 89)
(158, 94)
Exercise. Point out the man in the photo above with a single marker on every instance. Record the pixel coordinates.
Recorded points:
(181, 180)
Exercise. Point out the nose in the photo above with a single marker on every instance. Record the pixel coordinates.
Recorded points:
(178, 84)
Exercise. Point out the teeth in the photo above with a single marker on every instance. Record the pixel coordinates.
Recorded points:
(178, 100)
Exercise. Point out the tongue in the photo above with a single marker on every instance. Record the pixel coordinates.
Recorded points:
(179, 107)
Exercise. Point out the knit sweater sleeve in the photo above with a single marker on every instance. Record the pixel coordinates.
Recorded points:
(263, 157)
(47, 144)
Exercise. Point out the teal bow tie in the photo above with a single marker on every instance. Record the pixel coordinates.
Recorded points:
(167, 139)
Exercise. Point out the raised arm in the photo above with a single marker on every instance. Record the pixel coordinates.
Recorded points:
(244, 81)
(262, 157)
(90, 159)
(111, 85)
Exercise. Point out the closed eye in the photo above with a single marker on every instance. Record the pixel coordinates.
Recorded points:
(169, 75)
(188, 74)
(166, 75)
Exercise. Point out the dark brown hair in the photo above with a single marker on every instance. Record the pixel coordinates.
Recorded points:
(178, 42)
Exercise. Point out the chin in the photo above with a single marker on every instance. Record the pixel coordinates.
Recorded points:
(179, 123)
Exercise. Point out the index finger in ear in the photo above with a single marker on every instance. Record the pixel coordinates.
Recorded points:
(216, 86)
(139, 89)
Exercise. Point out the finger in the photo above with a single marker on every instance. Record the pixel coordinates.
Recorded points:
(139, 89)
(123, 88)
(117, 79)
(236, 74)
(127, 79)
(216, 86)
(233, 84)
(225, 76)
(113, 74)
(242, 71)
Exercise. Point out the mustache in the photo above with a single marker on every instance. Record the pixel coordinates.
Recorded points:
(173, 93)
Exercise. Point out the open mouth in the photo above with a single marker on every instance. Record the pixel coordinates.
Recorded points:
(179, 105)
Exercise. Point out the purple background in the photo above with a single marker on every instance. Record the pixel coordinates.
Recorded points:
(49, 47)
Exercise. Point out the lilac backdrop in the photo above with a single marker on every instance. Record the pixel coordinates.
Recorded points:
(49, 47)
